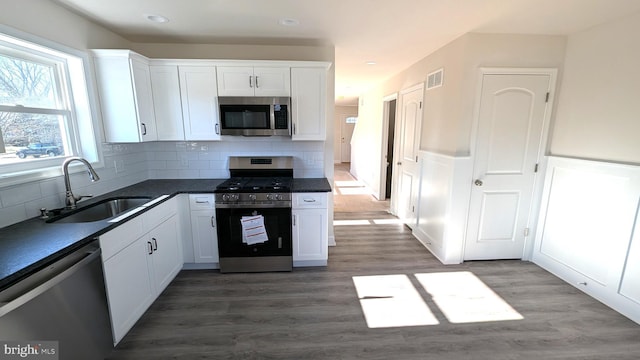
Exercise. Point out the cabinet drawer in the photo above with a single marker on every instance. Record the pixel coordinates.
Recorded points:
(120, 237)
(309, 200)
(159, 214)
(201, 201)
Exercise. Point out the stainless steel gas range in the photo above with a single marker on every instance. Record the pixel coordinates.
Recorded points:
(253, 211)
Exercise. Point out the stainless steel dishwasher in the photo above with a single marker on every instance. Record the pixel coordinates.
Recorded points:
(64, 302)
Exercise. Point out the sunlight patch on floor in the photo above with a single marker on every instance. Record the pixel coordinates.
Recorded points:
(392, 301)
(354, 191)
(350, 183)
(387, 222)
(463, 298)
(368, 222)
(350, 222)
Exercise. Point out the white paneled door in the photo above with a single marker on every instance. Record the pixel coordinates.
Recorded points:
(511, 123)
(346, 132)
(407, 165)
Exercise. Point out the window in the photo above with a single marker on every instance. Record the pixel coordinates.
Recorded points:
(45, 114)
(351, 120)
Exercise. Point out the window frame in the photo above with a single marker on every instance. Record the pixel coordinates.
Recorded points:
(75, 87)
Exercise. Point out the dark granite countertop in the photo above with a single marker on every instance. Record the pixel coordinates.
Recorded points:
(311, 185)
(32, 244)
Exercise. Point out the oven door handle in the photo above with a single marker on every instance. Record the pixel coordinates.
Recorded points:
(283, 204)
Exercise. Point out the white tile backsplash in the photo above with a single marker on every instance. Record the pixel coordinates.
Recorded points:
(156, 160)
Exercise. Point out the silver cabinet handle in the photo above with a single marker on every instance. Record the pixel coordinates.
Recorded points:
(144, 128)
(294, 128)
(150, 248)
(250, 81)
(155, 244)
(478, 182)
(257, 84)
(309, 200)
(217, 129)
(213, 222)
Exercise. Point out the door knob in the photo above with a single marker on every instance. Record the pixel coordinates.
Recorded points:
(478, 182)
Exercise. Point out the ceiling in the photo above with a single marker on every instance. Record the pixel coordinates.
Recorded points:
(392, 33)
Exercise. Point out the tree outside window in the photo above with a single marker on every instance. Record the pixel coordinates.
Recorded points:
(32, 111)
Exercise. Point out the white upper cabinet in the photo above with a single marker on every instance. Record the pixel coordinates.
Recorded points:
(253, 81)
(199, 102)
(308, 103)
(124, 86)
(165, 87)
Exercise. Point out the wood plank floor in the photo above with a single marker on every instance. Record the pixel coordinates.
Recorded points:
(315, 313)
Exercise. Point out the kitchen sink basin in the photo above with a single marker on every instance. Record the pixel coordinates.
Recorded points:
(102, 210)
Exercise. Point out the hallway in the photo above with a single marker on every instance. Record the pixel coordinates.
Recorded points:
(350, 195)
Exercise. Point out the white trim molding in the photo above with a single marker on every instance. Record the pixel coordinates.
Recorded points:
(589, 230)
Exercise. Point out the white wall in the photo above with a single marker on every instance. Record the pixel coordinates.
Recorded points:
(598, 109)
(366, 142)
(209, 159)
(339, 115)
(45, 19)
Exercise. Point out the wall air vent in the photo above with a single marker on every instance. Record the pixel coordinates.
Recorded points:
(434, 79)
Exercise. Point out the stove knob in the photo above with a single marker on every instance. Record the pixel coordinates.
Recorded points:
(225, 197)
(235, 197)
(278, 197)
(269, 196)
(252, 197)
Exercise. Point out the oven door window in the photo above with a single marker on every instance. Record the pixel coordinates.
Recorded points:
(277, 223)
(245, 116)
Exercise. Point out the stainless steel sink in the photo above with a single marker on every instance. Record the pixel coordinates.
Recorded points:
(102, 210)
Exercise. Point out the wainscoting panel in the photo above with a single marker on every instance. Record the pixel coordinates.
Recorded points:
(588, 213)
(443, 204)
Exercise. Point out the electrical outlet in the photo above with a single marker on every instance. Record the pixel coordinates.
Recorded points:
(184, 161)
(118, 165)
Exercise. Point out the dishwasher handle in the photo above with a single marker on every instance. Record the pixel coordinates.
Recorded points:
(58, 272)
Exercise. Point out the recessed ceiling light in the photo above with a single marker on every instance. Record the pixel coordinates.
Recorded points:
(289, 22)
(370, 62)
(157, 18)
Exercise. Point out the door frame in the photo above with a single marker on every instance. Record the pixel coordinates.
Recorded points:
(382, 190)
(536, 196)
(393, 203)
(343, 119)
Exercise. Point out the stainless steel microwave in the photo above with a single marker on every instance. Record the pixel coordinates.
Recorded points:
(255, 116)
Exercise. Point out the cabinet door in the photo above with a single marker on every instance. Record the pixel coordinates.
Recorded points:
(125, 96)
(167, 253)
(310, 238)
(129, 286)
(205, 237)
(199, 102)
(308, 103)
(144, 100)
(272, 81)
(235, 81)
(165, 88)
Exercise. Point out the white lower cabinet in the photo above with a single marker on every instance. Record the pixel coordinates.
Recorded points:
(203, 229)
(139, 268)
(310, 229)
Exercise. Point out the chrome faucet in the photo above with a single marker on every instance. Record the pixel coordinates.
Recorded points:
(70, 199)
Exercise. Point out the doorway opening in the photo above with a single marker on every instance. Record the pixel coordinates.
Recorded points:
(390, 122)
